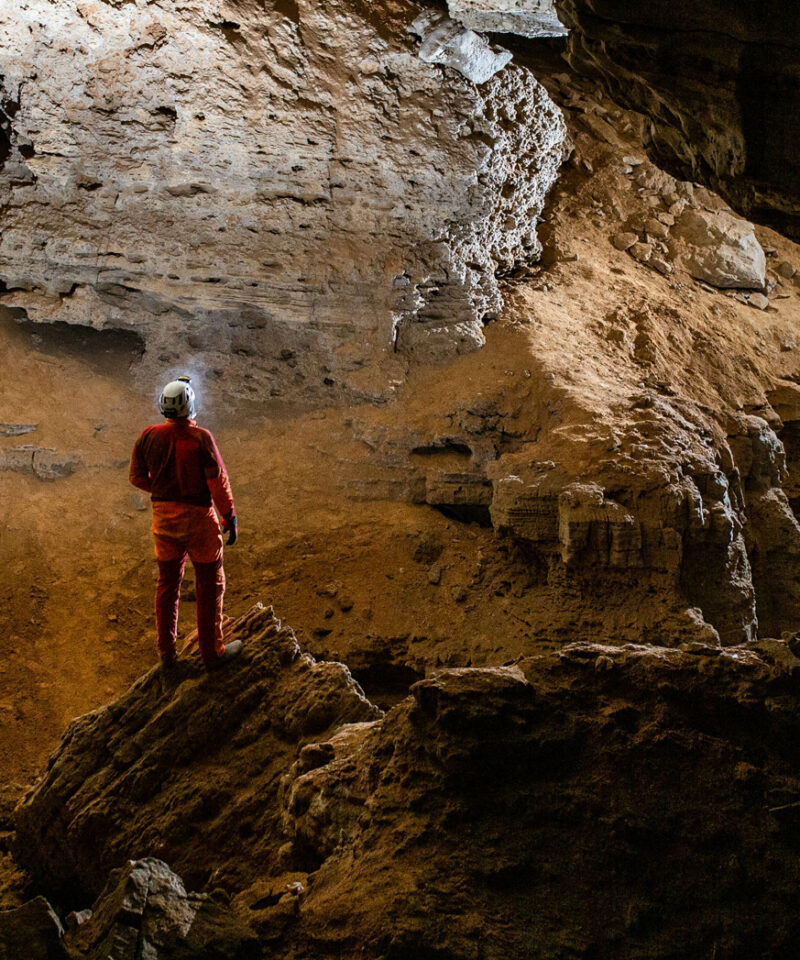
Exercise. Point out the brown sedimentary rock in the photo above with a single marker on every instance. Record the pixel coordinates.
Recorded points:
(283, 196)
(718, 83)
(568, 802)
(127, 781)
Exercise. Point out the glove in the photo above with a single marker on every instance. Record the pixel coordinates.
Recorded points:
(230, 525)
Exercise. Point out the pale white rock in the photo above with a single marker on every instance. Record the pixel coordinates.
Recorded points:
(661, 266)
(528, 18)
(301, 186)
(449, 43)
(721, 249)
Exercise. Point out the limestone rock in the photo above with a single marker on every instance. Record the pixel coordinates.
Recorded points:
(307, 187)
(721, 249)
(16, 429)
(720, 127)
(356, 834)
(446, 42)
(641, 251)
(624, 241)
(124, 781)
(42, 462)
(31, 932)
(528, 18)
(484, 779)
(145, 911)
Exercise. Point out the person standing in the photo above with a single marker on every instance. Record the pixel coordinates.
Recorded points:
(179, 465)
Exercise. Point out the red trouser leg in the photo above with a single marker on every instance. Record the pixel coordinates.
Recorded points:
(168, 594)
(210, 584)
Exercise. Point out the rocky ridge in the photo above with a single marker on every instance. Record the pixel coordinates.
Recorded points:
(540, 808)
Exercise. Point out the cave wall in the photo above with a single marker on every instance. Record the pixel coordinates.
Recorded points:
(283, 191)
(719, 82)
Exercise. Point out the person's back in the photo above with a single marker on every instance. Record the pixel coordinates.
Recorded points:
(179, 465)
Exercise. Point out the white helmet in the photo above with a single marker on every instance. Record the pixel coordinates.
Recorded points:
(177, 399)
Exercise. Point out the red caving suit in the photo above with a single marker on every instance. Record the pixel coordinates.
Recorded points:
(179, 465)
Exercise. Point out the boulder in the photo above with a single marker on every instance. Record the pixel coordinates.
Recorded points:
(446, 42)
(145, 912)
(529, 18)
(720, 249)
(31, 932)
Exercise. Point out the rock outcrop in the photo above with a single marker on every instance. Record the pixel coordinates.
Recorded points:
(124, 783)
(145, 913)
(718, 84)
(576, 803)
(528, 18)
(277, 196)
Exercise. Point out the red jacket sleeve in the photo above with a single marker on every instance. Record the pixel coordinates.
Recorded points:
(138, 474)
(217, 478)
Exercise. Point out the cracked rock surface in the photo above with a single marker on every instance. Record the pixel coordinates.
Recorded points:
(280, 194)
(542, 808)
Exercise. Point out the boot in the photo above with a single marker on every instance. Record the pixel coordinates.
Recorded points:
(232, 649)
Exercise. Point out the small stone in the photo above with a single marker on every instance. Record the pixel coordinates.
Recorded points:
(631, 161)
(16, 429)
(624, 241)
(758, 300)
(655, 228)
(666, 218)
(458, 593)
(786, 270)
(661, 266)
(435, 574)
(641, 252)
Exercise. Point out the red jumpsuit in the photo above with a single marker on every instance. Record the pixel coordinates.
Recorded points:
(179, 465)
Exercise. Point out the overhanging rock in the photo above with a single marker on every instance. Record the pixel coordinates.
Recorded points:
(528, 18)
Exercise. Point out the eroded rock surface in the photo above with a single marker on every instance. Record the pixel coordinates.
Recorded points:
(124, 783)
(569, 804)
(145, 913)
(718, 82)
(529, 18)
(282, 193)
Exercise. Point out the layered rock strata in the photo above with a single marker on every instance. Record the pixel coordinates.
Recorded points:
(274, 194)
(719, 84)
(583, 802)
(124, 782)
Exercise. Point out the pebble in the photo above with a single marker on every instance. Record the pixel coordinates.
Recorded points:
(759, 301)
(624, 241)
(661, 265)
(786, 270)
(641, 252)
(632, 161)
(655, 228)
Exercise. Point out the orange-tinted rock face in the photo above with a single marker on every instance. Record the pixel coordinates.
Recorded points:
(719, 81)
